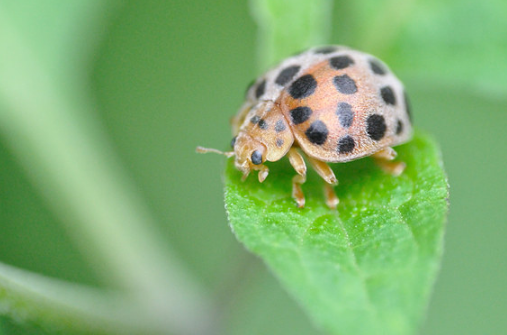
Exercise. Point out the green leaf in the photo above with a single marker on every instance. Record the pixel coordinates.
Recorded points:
(289, 26)
(458, 42)
(47, 118)
(461, 42)
(58, 305)
(367, 268)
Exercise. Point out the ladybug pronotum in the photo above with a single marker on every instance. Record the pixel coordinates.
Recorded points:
(331, 104)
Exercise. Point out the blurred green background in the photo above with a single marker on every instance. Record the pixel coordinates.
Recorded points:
(166, 76)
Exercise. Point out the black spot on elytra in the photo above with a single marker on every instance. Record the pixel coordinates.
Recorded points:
(300, 114)
(344, 84)
(376, 126)
(303, 87)
(345, 114)
(256, 157)
(407, 107)
(261, 88)
(326, 49)
(279, 142)
(233, 141)
(340, 62)
(287, 74)
(255, 119)
(346, 144)
(399, 127)
(317, 132)
(279, 126)
(263, 124)
(388, 96)
(377, 67)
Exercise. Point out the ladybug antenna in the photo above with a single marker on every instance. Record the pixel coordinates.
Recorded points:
(202, 150)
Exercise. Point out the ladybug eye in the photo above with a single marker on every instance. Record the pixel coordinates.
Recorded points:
(256, 157)
(233, 141)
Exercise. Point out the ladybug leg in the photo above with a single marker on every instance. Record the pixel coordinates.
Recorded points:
(328, 175)
(263, 173)
(386, 154)
(324, 171)
(332, 200)
(297, 162)
(384, 158)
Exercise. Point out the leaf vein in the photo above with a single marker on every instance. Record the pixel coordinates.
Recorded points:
(360, 274)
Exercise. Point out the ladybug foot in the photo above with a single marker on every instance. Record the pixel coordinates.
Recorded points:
(297, 192)
(297, 162)
(384, 158)
(332, 200)
(393, 168)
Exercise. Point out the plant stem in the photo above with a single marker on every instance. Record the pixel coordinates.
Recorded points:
(68, 307)
(289, 26)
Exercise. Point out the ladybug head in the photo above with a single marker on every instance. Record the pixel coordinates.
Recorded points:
(249, 154)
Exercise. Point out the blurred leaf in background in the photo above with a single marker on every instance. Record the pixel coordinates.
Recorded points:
(168, 75)
(31, 234)
(48, 122)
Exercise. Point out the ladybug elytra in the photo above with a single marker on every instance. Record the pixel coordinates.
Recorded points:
(331, 104)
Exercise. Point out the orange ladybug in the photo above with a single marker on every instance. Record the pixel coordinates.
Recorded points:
(332, 104)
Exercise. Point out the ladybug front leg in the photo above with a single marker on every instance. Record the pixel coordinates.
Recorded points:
(384, 158)
(328, 175)
(297, 162)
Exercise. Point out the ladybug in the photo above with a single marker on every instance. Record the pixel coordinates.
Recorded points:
(330, 104)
